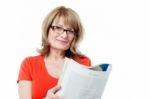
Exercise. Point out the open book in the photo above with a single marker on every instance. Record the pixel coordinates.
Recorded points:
(81, 82)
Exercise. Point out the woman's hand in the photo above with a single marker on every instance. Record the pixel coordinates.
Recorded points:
(51, 94)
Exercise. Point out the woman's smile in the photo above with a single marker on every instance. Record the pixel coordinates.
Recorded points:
(62, 41)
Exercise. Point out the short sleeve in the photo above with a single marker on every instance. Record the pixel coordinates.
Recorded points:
(25, 71)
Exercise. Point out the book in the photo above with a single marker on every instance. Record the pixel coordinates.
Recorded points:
(81, 82)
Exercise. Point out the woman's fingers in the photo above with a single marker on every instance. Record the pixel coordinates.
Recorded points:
(50, 96)
(54, 89)
(51, 93)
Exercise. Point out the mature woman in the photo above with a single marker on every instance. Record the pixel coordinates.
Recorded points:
(61, 33)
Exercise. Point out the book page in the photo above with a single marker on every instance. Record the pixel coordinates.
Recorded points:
(79, 82)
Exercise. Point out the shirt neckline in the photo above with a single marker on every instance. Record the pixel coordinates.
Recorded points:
(45, 69)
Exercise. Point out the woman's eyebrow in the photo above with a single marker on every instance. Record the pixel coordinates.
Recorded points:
(69, 28)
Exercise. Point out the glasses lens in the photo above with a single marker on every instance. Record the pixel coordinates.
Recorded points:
(58, 29)
(70, 32)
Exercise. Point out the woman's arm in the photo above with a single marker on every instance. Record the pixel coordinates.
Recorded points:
(24, 89)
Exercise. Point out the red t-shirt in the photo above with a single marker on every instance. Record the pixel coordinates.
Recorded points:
(34, 69)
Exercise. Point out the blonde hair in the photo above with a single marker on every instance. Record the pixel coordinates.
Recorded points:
(72, 19)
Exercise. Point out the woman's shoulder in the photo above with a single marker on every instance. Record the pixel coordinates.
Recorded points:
(35, 58)
(30, 66)
(84, 60)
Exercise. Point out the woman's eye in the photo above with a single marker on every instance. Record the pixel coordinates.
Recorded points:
(58, 28)
(70, 32)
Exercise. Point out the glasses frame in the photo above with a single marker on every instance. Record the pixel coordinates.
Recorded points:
(60, 30)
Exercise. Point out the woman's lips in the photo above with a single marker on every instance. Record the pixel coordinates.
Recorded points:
(62, 41)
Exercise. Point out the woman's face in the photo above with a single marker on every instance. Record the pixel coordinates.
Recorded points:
(60, 36)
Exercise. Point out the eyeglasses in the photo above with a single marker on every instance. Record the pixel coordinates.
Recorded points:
(61, 30)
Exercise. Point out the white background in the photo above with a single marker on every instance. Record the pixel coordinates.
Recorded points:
(117, 32)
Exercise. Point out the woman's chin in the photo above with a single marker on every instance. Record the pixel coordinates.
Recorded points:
(61, 47)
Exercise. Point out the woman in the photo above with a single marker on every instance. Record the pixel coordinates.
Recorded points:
(61, 33)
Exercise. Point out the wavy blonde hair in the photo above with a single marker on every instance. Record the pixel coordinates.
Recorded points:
(71, 18)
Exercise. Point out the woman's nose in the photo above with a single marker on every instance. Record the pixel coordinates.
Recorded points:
(64, 34)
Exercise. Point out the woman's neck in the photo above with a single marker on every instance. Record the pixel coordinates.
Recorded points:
(56, 55)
